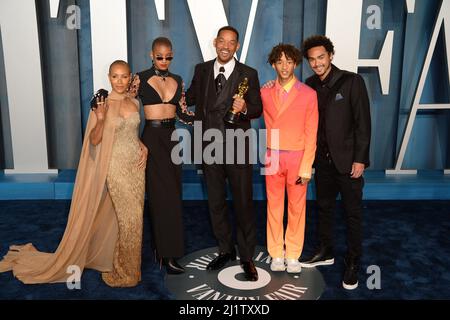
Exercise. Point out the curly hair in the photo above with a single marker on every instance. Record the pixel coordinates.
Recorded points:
(317, 41)
(289, 51)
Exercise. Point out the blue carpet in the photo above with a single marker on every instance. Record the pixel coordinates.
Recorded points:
(408, 240)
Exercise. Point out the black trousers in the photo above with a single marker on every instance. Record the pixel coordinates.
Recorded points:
(240, 179)
(329, 183)
(164, 192)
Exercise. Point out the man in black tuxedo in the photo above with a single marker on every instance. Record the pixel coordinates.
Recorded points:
(342, 153)
(213, 92)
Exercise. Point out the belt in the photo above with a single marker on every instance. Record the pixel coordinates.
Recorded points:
(161, 123)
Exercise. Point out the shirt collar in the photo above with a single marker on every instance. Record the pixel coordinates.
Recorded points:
(288, 86)
(229, 67)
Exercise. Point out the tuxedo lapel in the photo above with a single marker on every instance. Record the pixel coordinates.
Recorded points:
(210, 87)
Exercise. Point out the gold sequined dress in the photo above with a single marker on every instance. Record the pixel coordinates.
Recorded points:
(104, 226)
(125, 183)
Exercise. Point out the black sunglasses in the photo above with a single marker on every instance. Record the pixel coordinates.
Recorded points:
(164, 58)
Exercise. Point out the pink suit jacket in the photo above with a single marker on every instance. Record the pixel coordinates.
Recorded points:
(296, 119)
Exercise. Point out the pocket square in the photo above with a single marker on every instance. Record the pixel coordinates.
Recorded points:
(338, 97)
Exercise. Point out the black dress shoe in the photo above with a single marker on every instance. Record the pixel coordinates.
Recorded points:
(172, 266)
(251, 274)
(221, 260)
(323, 256)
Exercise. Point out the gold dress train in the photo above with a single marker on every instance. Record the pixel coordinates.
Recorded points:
(104, 227)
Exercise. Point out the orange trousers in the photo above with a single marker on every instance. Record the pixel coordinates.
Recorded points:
(284, 178)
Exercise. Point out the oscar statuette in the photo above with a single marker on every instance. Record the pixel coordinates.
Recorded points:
(232, 116)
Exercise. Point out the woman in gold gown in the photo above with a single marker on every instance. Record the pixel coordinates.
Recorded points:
(104, 228)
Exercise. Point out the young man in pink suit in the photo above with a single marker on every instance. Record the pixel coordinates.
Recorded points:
(290, 108)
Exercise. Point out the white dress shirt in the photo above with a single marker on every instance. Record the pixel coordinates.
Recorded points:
(229, 67)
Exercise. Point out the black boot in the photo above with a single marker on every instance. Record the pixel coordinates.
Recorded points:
(323, 256)
(350, 281)
(172, 266)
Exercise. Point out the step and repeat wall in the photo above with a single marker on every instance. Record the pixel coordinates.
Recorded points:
(55, 53)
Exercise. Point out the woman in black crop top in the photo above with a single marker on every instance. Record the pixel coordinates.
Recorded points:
(161, 93)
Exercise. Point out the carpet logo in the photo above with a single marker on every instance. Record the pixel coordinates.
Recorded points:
(229, 283)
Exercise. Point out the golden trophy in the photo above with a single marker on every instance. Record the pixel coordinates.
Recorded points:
(232, 116)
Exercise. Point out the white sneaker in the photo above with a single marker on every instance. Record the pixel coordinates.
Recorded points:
(293, 266)
(277, 264)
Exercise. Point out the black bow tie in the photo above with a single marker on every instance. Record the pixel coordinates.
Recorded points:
(220, 80)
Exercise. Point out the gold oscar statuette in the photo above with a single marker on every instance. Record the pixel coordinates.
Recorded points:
(232, 116)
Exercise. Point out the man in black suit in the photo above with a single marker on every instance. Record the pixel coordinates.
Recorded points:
(213, 92)
(342, 153)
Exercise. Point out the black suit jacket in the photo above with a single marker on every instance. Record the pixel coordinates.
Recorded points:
(210, 108)
(347, 118)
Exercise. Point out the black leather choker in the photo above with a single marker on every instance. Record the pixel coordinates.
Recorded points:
(163, 74)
